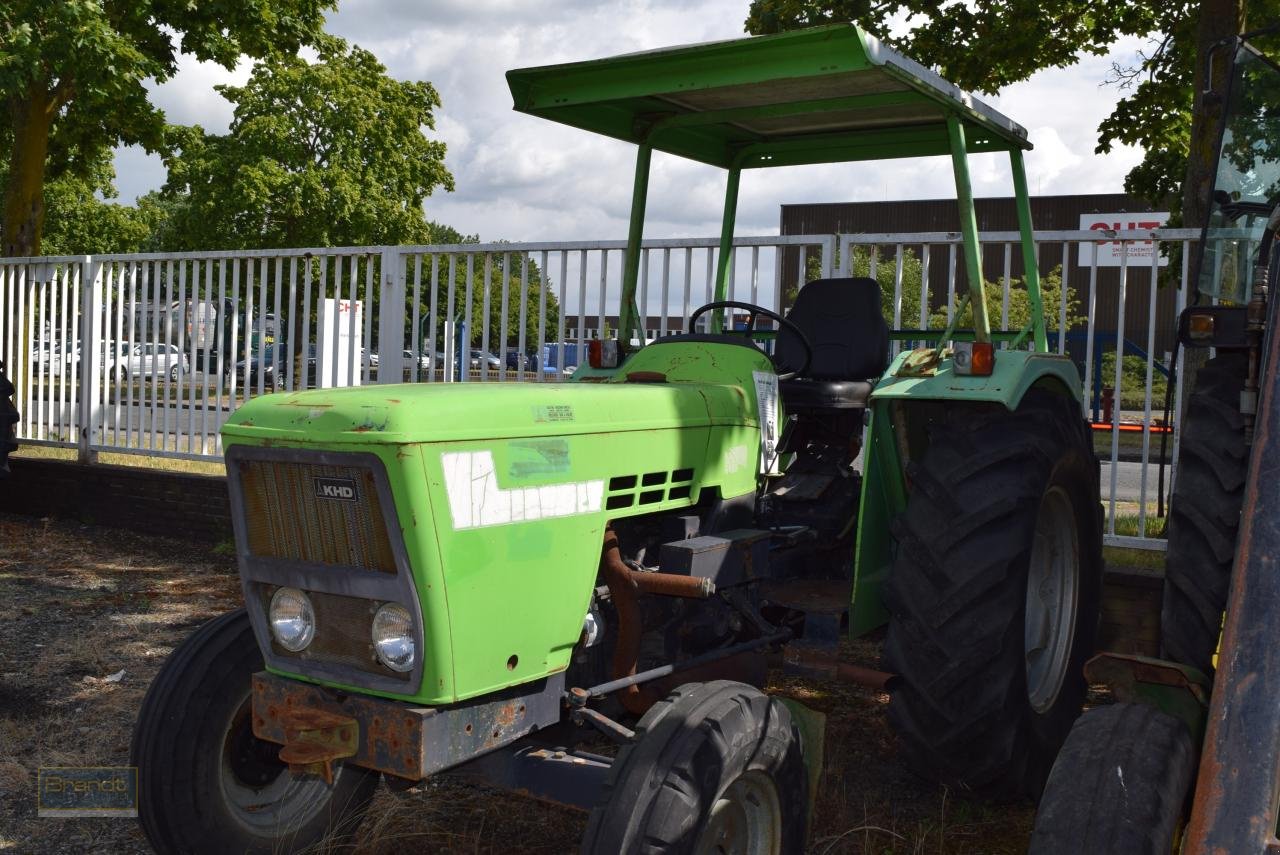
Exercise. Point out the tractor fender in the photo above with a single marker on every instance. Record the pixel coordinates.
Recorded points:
(1016, 372)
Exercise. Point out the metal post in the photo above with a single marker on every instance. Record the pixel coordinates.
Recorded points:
(91, 346)
(391, 317)
(628, 313)
(1235, 803)
(1030, 264)
(726, 245)
(969, 229)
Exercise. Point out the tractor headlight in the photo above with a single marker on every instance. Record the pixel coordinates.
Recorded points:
(293, 620)
(393, 637)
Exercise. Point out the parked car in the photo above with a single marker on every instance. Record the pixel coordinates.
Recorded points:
(517, 361)
(154, 360)
(269, 367)
(480, 357)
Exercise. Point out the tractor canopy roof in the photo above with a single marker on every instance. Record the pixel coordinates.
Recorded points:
(820, 95)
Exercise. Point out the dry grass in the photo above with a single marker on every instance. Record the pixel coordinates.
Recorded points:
(78, 603)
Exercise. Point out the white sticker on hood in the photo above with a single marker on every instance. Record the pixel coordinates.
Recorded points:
(476, 500)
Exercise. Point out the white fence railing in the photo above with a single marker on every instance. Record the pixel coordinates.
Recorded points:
(149, 353)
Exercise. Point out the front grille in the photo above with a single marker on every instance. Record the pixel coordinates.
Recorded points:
(343, 626)
(286, 515)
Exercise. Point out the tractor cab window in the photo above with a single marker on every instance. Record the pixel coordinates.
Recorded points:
(1247, 184)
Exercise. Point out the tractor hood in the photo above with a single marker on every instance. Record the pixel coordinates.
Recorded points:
(449, 412)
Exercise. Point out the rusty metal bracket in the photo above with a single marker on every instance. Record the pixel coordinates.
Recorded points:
(1179, 690)
(315, 739)
(395, 737)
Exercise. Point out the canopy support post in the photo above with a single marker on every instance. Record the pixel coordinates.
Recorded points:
(969, 229)
(628, 313)
(726, 245)
(1030, 265)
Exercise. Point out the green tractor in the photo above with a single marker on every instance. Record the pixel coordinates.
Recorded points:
(614, 559)
(1126, 780)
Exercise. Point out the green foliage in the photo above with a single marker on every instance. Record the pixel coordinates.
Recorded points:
(524, 274)
(74, 77)
(988, 44)
(330, 153)
(907, 314)
(1019, 304)
(1133, 381)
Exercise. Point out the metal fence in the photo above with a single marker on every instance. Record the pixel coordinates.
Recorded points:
(149, 353)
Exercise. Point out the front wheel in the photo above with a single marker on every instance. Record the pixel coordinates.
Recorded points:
(206, 783)
(994, 597)
(716, 767)
(1119, 787)
(173, 374)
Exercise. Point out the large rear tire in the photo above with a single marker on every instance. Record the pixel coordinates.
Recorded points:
(716, 767)
(206, 784)
(993, 601)
(1204, 515)
(8, 422)
(1119, 786)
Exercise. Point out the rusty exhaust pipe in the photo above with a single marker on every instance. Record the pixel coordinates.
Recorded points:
(624, 586)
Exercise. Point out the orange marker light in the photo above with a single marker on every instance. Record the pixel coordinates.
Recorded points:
(983, 361)
(1200, 327)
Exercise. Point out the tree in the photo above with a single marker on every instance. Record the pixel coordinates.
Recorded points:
(987, 44)
(325, 153)
(72, 77)
(525, 274)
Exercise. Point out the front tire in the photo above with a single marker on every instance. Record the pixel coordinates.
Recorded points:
(716, 767)
(994, 595)
(206, 784)
(1119, 786)
(1204, 515)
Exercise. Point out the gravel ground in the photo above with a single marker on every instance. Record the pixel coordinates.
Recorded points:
(79, 604)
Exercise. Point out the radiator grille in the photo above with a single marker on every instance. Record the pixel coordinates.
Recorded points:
(343, 626)
(285, 518)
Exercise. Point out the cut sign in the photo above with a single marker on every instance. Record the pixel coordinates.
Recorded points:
(1114, 253)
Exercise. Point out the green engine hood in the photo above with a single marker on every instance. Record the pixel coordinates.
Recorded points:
(449, 412)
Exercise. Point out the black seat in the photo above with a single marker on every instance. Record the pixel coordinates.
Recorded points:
(850, 342)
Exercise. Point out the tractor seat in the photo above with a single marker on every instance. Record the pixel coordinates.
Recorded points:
(850, 342)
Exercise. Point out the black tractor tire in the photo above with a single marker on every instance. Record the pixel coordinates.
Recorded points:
(8, 422)
(197, 757)
(957, 598)
(1204, 514)
(1119, 786)
(697, 758)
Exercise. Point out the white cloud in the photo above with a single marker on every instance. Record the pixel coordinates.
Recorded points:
(522, 178)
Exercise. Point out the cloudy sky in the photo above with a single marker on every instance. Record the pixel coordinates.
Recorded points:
(520, 178)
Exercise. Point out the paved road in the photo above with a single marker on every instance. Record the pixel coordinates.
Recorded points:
(1129, 481)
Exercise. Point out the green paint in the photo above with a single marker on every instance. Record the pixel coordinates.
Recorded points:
(522, 588)
(723, 262)
(884, 496)
(805, 73)
(969, 228)
(533, 457)
(1015, 372)
(629, 318)
(1029, 261)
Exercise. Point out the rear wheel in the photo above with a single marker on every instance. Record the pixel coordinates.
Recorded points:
(993, 601)
(1119, 786)
(715, 768)
(8, 422)
(1204, 516)
(206, 783)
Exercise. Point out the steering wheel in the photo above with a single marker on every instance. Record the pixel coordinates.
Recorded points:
(753, 311)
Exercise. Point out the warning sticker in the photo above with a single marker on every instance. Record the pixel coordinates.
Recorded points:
(767, 402)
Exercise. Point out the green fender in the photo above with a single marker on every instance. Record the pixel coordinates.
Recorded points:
(884, 488)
